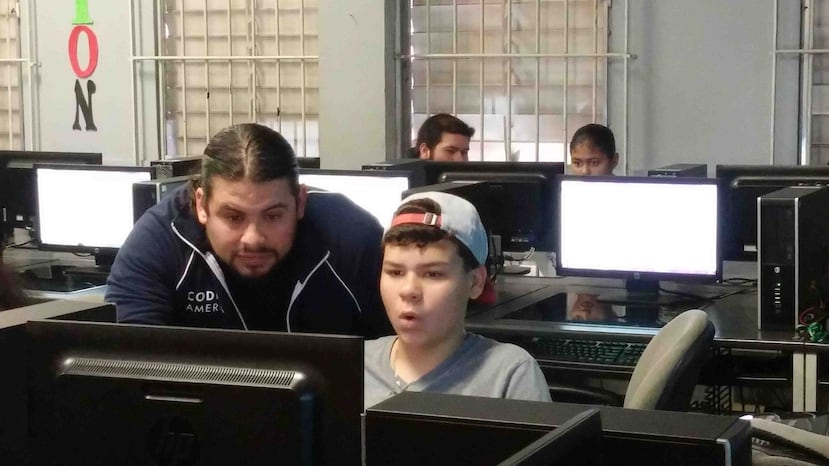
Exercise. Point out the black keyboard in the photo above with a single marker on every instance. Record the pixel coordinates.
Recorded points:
(617, 353)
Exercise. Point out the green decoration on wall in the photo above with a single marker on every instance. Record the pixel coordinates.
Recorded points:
(81, 13)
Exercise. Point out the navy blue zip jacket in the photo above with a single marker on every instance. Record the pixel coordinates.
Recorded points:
(165, 273)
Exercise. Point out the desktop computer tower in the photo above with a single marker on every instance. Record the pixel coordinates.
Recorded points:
(792, 259)
(681, 170)
(177, 166)
(417, 428)
(146, 194)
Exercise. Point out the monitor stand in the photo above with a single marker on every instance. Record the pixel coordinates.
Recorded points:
(641, 292)
(514, 269)
(68, 278)
(98, 272)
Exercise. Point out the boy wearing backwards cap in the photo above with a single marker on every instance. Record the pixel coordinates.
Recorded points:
(434, 262)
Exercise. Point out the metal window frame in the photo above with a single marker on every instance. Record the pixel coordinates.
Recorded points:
(806, 53)
(16, 126)
(252, 59)
(406, 59)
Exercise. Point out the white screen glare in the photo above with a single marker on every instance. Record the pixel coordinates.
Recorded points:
(90, 208)
(639, 227)
(379, 195)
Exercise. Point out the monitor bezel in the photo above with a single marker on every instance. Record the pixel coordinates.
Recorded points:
(308, 162)
(427, 172)
(434, 169)
(97, 250)
(577, 441)
(369, 173)
(629, 274)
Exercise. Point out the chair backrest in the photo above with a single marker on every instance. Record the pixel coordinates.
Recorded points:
(794, 446)
(667, 371)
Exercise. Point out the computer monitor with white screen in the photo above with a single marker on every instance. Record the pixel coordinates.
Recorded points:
(18, 202)
(642, 229)
(86, 208)
(378, 192)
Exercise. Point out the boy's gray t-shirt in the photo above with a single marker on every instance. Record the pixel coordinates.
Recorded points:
(479, 367)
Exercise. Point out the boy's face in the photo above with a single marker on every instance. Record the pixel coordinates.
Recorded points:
(426, 291)
(587, 307)
(587, 160)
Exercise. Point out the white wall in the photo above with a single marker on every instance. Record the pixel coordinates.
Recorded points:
(112, 102)
(357, 82)
(700, 85)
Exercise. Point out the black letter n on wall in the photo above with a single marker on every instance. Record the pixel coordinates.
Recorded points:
(84, 105)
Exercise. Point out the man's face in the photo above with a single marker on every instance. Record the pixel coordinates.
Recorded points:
(588, 160)
(451, 147)
(250, 226)
(426, 291)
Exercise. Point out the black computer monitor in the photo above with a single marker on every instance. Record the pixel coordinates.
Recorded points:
(435, 170)
(378, 192)
(740, 186)
(522, 197)
(425, 172)
(419, 428)
(131, 394)
(18, 202)
(521, 206)
(577, 442)
(641, 229)
(14, 357)
(86, 208)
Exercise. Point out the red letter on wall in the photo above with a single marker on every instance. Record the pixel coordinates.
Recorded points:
(73, 51)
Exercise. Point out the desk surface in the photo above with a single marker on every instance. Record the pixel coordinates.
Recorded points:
(25, 257)
(33, 260)
(734, 316)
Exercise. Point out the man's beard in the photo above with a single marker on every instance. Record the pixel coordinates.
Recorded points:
(277, 260)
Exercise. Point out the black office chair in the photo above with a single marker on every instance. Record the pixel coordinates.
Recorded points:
(665, 376)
